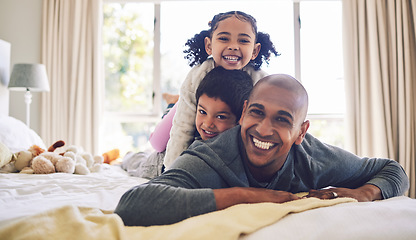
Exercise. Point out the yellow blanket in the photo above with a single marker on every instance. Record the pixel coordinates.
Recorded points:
(71, 222)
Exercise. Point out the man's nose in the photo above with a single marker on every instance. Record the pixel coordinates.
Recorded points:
(264, 127)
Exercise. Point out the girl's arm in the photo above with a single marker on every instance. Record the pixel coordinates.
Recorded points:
(183, 126)
(182, 131)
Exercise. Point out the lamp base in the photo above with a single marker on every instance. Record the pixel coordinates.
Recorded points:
(28, 101)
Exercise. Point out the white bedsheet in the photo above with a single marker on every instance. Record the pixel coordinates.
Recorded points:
(28, 194)
(393, 218)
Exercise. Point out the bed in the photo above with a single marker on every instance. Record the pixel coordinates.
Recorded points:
(72, 206)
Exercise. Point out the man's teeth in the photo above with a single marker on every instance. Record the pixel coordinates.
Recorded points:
(231, 58)
(262, 145)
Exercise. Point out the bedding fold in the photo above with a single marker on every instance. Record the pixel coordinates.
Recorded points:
(72, 222)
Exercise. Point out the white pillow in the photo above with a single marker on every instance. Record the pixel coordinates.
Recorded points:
(5, 155)
(17, 136)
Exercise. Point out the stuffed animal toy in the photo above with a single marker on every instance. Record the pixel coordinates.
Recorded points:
(111, 155)
(72, 160)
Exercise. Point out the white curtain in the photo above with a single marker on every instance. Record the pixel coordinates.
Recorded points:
(380, 76)
(71, 51)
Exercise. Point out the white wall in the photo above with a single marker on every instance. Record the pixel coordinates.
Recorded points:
(4, 76)
(21, 25)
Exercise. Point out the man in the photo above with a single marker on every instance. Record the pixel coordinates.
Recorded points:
(266, 159)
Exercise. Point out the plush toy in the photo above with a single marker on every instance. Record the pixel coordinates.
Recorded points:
(72, 160)
(111, 155)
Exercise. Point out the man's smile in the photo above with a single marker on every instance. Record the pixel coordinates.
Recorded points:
(263, 145)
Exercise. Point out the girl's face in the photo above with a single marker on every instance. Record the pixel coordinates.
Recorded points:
(233, 44)
(213, 116)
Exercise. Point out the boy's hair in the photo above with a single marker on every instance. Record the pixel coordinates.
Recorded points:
(196, 54)
(231, 86)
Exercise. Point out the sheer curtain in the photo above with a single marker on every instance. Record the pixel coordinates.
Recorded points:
(380, 76)
(71, 51)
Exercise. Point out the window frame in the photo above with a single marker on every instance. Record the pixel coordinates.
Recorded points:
(157, 94)
(154, 116)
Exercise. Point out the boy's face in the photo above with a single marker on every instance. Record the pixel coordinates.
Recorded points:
(213, 116)
(233, 44)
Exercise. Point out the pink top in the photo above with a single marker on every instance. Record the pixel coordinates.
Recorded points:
(160, 137)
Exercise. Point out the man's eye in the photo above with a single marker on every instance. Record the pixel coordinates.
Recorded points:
(283, 120)
(256, 112)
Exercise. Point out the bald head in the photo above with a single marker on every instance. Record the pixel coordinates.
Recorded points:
(273, 121)
(287, 83)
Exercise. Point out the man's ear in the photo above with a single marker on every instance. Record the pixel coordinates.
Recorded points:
(244, 111)
(208, 47)
(256, 51)
(303, 129)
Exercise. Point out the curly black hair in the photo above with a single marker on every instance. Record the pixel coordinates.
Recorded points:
(196, 54)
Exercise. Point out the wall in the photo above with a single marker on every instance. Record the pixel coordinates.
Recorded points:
(21, 25)
(4, 76)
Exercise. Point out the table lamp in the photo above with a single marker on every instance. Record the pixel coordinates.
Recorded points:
(29, 77)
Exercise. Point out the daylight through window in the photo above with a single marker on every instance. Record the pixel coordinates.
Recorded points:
(143, 45)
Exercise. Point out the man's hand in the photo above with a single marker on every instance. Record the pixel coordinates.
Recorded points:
(365, 193)
(228, 197)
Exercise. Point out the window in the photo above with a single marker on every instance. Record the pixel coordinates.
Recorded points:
(322, 68)
(143, 45)
(128, 43)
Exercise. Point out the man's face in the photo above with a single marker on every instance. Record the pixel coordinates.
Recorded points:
(272, 121)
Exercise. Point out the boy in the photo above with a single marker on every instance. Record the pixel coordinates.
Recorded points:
(220, 98)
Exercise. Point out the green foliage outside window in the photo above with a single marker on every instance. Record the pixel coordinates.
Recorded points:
(128, 53)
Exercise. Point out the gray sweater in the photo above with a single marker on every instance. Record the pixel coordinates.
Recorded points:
(186, 189)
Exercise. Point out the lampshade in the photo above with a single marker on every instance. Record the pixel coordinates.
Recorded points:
(30, 77)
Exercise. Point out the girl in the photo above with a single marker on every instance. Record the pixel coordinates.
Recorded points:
(233, 42)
